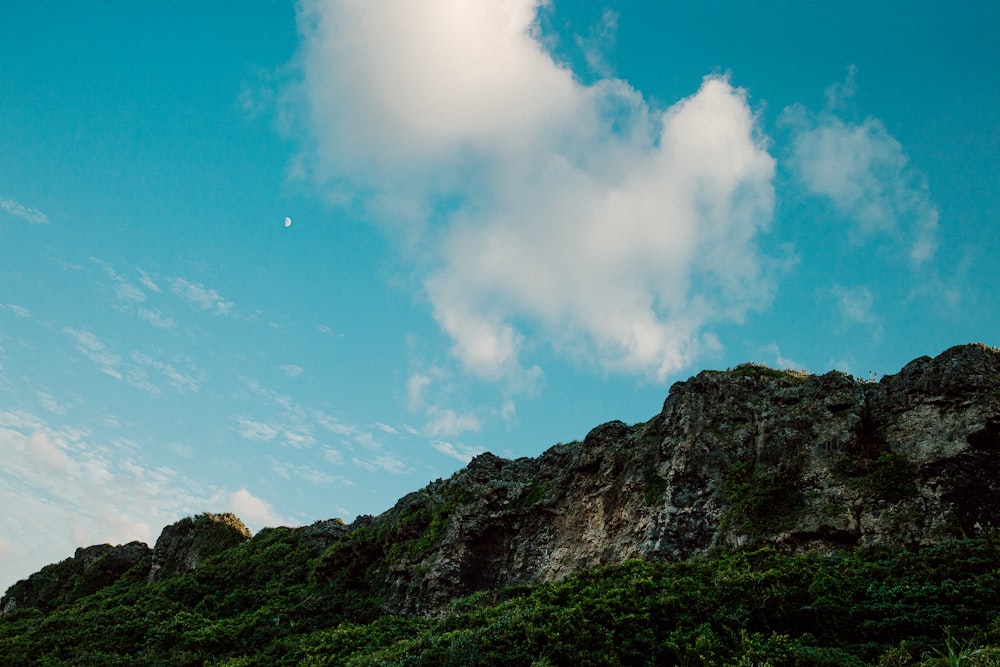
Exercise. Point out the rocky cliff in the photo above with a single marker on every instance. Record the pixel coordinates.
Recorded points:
(745, 457)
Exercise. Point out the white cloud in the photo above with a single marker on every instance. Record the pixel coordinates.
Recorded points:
(156, 317)
(864, 172)
(254, 430)
(838, 94)
(856, 306)
(461, 452)
(599, 41)
(20, 311)
(291, 370)
(148, 282)
(446, 422)
(382, 462)
(182, 381)
(94, 349)
(307, 473)
(298, 440)
(252, 510)
(129, 293)
(582, 219)
(200, 296)
(780, 360)
(49, 402)
(19, 210)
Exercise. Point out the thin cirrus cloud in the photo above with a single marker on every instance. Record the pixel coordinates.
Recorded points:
(463, 453)
(134, 370)
(583, 218)
(864, 172)
(92, 347)
(19, 210)
(200, 296)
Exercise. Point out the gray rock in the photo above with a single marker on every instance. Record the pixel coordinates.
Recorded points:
(183, 545)
(747, 457)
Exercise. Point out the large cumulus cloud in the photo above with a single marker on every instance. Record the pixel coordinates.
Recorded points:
(543, 211)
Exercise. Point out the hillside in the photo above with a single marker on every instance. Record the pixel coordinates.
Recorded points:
(762, 515)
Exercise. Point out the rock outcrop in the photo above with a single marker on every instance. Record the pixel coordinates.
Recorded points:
(746, 457)
(181, 546)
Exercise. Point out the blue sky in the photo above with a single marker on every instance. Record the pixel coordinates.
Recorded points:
(510, 223)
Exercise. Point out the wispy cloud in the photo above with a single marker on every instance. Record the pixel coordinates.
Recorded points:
(415, 387)
(131, 297)
(308, 473)
(298, 440)
(255, 430)
(135, 368)
(291, 370)
(50, 403)
(856, 306)
(148, 282)
(584, 218)
(20, 311)
(382, 462)
(599, 40)
(18, 210)
(780, 360)
(304, 427)
(157, 318)
(200, 296)
(90, 346)
(460, 452)
(864, 171)
(448, 423)
(182, 381)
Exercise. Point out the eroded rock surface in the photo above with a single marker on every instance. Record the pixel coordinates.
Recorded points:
(749, 456)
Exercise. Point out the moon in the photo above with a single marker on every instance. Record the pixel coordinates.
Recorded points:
(288, 222)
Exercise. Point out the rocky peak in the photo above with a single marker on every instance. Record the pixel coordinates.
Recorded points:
(182, 545)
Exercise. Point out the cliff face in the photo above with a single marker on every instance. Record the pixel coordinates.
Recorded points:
(750, 456)
(746, 457)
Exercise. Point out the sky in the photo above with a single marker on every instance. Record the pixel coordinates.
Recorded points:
(511, 221)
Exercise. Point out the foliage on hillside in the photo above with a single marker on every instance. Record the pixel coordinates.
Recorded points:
(277, 600)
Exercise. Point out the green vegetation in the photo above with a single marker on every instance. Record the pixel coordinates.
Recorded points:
(762, 372)
(653, 487)
(761, 499)
(890, 477)
(280, 599)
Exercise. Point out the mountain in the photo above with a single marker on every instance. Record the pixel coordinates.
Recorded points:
(750, 458)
